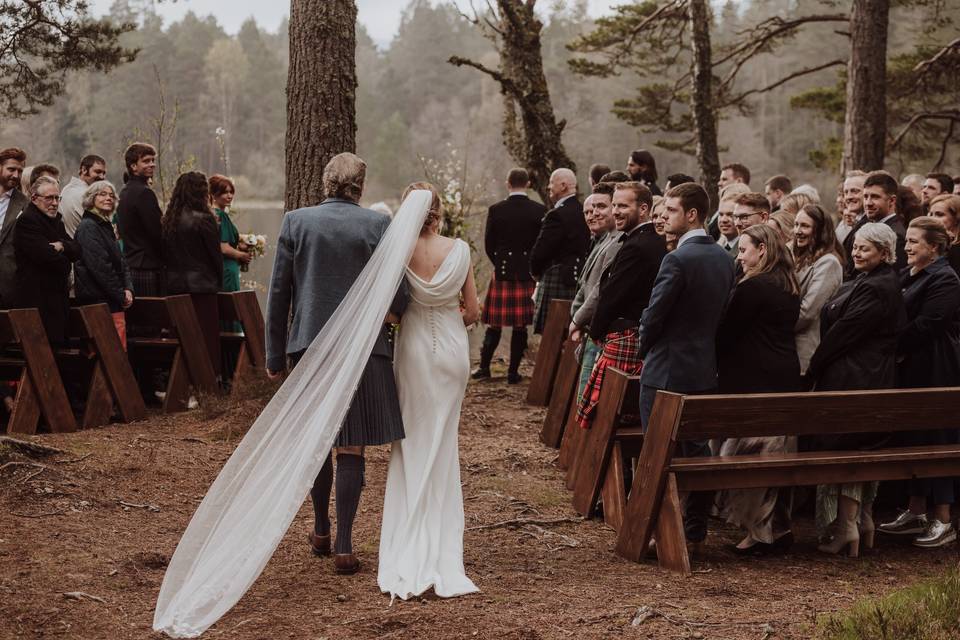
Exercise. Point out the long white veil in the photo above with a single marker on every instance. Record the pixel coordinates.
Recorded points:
(250, 505)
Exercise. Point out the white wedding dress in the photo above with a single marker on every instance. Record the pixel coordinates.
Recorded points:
(421, 540)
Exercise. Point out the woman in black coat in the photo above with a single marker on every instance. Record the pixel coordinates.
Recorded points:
(929, 356)
(44, 254)
(101, 275)
(859, 329)
(192, 255)
(757, 353)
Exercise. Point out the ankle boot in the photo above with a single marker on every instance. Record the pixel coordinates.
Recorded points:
(518, 346)
(847, 534)
(867, 527)
(490, 341)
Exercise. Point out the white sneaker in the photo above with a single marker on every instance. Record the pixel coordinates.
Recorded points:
(192, 403)
(937, 534)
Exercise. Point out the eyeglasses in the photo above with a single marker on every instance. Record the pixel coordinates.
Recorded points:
(743, 216)
(55, 198)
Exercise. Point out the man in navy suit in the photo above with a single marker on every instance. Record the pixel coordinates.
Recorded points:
(679, 326)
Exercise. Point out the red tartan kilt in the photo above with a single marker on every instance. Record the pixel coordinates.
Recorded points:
(509, 304)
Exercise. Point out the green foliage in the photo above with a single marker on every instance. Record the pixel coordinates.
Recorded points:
(929, 610)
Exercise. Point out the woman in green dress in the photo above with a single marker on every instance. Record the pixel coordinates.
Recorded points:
(222, 192)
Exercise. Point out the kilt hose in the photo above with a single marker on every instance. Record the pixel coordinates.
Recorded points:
(508, 303)
(621, 349)
(551, 286)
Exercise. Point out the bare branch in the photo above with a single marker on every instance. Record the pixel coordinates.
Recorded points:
(506, 84)
(949, 114)
(943, 145)
(770, 87)
(925, 66)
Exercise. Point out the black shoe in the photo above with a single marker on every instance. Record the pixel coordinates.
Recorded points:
(514, 378)
(480, 374)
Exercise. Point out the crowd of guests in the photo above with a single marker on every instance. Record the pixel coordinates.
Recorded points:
(773, 291)
(90, 243)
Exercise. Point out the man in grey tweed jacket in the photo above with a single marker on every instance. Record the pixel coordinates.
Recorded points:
(321, 251)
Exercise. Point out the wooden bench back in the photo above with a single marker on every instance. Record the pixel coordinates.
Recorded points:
(7, 334)
(548, 354)
(150, 312)
(243, 307)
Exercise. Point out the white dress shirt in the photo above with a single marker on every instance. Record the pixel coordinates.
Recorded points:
(693, 233)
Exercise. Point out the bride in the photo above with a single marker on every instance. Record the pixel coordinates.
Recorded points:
(421, 539)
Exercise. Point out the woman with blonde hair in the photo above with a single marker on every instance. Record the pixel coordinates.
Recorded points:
(946, 207)
(757, 353)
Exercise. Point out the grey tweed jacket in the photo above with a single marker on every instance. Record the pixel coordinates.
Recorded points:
(320, 253)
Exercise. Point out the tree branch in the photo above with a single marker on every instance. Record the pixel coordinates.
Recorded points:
(770, 87)
(506, 84)
(950, 114)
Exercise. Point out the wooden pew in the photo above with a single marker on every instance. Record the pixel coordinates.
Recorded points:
(243, 308)
(562, 400)
(598, 467)
(40, 390)
(654, 501)
(111, 379)
(548, 355)
(180, 348)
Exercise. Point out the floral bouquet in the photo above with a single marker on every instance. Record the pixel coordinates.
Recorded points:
(254, 244)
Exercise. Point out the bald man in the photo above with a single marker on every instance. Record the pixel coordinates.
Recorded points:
(561, 248)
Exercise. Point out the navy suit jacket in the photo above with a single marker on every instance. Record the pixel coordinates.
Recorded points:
(679, 327)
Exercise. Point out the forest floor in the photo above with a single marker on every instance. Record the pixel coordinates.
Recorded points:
(103, 518)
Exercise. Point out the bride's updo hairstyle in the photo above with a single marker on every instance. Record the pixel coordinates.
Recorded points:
(343, 177)
(434, 215)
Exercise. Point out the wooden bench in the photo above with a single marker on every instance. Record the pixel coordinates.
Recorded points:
(243, 308)
(180, 348)
(654, 501)
(563, 398)
(40, 389)
(548, 355)
(100, 359)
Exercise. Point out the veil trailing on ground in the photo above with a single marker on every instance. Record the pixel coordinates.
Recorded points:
(250, 505)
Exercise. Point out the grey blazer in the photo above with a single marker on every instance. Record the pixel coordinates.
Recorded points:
(678, 330)
(8, 262)
(585, 302)
(320, 253)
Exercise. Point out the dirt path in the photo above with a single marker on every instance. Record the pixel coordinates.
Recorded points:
(104, 517)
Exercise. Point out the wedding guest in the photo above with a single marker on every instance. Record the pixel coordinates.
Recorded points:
(597, 171)
(935, 184)
(382, 207)
(511, 231)
(818, 260)
(623, 292)
(946, 208)
(757, 353)
(792, 203)
(12, 203)
(93, 169)
(678, 178)
(928, 355)
(853, 209)
(908, 205)
(679, 326)
(101, 274)
(750, 209)
(733, 173)
(775, 189)
(914, 182)
(782, 223)
(222, 190)
(879, 205)
(642, 168)
(616, 176)
(192, 255)
(603, 224)
(34, 173)
(859, 332)
(45, 254)
(138, 221)
(728, 230)
(809, 191)
(561, 247)
(729, 192)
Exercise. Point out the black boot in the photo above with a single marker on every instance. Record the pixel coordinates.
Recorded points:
(490, 341)
(518, 345)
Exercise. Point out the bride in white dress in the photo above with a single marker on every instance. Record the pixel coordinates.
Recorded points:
(421, 540)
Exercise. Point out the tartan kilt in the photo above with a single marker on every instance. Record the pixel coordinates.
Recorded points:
(508, 304)
(147, 282)
(621, 349)
(551, 286)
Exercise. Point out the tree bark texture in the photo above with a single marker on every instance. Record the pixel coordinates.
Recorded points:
(531, 131)
(321, 94)
(865, 125)
(702, 100)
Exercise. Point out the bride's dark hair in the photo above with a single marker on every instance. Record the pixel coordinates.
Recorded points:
(434, 214)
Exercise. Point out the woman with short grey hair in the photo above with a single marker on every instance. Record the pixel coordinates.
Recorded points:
(859, 328)
(101, 274)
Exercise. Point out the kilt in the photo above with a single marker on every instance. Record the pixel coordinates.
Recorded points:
(147, 282)
(551, 286)
(508, 304)
(621, 349)
(591, 351)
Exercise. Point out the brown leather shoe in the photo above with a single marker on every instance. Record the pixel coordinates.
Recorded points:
(320, 545)
(346, 564)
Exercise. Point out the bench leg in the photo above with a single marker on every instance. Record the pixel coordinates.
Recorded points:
(671, 540)
(241, 372)
(614, 494)
(178, 387)
(26, 407)
(577, 441)
(99, 400)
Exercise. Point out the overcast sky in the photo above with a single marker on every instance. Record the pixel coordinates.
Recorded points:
(380, 17)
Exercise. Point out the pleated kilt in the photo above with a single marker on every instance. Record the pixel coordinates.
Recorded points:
(550, 287)
(508, 304)
(621, 349)
(147, 282)
(374, 417)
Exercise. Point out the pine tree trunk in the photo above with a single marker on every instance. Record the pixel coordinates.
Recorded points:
(321, 94)
(701, 100)
(865, 127)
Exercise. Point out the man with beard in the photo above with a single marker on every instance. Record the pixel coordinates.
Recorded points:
(93, 168)
(934, 185)
(12, 203)
(880, 205)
